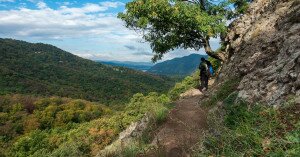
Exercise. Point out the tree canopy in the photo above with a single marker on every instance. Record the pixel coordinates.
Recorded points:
(171, 24)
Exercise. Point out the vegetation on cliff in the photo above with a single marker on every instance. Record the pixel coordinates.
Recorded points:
(238, 128)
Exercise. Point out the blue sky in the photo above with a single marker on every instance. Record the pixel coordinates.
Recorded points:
(87, 28)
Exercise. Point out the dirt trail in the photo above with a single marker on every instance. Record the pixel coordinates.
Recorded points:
(182, 129)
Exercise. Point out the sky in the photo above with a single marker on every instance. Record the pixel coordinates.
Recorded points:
(87, 28)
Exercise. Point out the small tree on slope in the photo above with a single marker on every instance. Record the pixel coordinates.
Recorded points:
(171, 24)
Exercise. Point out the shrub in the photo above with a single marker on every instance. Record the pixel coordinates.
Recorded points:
(161, 115)
(28, 145)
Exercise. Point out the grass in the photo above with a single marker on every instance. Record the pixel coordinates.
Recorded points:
(226, 89)
(161, 115)
(170, 106)
(131, 151)
(253, 130)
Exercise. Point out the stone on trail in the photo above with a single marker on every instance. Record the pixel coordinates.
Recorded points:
(191, 93)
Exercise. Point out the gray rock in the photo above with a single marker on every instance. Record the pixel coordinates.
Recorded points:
(265, 48)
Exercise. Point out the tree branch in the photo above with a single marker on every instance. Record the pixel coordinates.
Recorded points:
(219, 56)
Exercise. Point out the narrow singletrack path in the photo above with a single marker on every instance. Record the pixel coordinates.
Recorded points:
(182, 129)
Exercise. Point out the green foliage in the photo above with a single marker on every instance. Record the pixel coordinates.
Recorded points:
(161, 115)
(188, 83)
(41, 69)
(240, 5)
(141, 103)
(225, 90)
(29, 145)
(255, 130)
(172, 25)
(216, 64)
(168, 25)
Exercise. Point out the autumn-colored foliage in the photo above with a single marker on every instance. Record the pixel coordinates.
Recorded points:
(61, 126)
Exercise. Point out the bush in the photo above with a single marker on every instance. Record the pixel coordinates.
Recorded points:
(161, 115)
(28, 145)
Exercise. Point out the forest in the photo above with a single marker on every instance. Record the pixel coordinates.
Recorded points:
(42, 69)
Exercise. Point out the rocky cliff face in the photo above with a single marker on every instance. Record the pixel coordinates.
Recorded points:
(264, 51)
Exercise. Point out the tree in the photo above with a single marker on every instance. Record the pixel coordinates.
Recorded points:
(171, 24)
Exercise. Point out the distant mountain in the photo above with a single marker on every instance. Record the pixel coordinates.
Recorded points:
(43, 69)
(142, 66)
(178, 66)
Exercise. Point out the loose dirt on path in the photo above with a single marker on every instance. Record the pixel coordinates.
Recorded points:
(182, 129)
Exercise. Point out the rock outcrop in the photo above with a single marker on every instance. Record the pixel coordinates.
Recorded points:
(126, 138)
(264, 51)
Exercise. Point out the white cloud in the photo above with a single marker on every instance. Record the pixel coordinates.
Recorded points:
(109, 4)
(65, 3)
(64, 22)
(41, 5)
(113, 57)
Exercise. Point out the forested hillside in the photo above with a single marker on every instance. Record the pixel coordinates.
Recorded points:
(47, 70)
(54, 126)
(178, 66)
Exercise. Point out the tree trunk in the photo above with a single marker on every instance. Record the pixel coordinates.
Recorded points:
(219, 56)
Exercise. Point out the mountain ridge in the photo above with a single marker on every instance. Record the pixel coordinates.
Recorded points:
(182, 66)
(43, 69)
